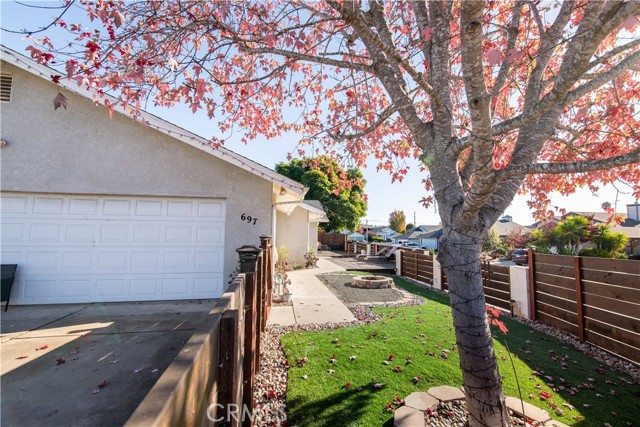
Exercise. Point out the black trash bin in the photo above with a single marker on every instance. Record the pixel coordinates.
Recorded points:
(8, 274)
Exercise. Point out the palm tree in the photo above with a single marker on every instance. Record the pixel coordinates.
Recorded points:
(572, 231)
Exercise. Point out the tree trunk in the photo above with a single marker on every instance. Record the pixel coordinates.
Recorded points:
(460, 258)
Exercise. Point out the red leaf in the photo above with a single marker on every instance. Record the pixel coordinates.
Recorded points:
(60, 101)
(272, 394)
(426, 33)
(44, 347)
(494, 57)
(348, 385)
(71, 66)
(350, 93)
(56, 79)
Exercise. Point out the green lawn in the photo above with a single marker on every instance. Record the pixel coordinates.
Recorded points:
(324, 399)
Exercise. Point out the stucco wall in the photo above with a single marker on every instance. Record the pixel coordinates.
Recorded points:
(313, 237)
(81, 150)
(292, 231)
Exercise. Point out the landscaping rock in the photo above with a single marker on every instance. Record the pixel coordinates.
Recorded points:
(533, 412)
(420, 400)
(408, 417)
(446, 393)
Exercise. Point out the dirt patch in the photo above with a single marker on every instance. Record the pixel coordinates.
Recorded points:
(341, 286)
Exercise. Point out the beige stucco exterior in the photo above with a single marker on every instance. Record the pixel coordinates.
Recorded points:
(81, 150)
(298, 233)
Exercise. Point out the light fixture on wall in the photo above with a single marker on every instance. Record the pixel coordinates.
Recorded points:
(3, 142)
(283, 191)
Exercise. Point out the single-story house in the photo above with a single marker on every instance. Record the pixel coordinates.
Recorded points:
(505, 226)
(385, 233)
(355, 237)
(298, 230)
(426, 236)
(99, 209)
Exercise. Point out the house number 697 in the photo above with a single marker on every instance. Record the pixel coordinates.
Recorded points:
(249, 219)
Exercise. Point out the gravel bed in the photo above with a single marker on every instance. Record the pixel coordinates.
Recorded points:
(454, 414)
(340, 285)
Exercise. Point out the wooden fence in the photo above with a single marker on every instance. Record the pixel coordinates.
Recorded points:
(216, 368)
(497, 285)
(495, 278)
(334, 240)
(595, 299)
(417, 266)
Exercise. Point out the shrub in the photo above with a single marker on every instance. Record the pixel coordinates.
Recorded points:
(310, 259)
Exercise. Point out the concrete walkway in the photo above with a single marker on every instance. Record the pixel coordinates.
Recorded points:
(312, 301)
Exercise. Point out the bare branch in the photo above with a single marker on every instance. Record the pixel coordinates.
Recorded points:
(632, 157)
(512, 34)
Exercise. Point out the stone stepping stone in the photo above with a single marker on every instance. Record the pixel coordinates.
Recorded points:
(446, 393)
(420, 400)
(408, 417)
(531, 411)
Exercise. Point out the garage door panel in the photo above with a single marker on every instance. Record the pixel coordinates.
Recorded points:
(87, 248)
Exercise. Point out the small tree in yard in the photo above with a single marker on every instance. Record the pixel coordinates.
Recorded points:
(494, 97)
(397, 221)
(492, 242)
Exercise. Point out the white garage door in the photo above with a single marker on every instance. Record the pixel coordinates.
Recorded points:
(94, 249)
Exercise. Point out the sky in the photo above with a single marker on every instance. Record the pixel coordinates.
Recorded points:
(383, 195)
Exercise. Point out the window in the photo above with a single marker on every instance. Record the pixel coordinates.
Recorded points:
(5, 87)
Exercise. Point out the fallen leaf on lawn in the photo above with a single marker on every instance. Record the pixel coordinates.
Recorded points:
(44, 347)
(331, 371)
(155, 371)
(391, 357)
(352, 358)
(114, 362)
(544, 395)
(60, 362)
(304, 377)
(74, 352)
(96, 391)
(570, 407)
(137, 371)
(378, 386)
(398, 369)
(386, 362)
(348, 385)
(416, 380)
(586, 405)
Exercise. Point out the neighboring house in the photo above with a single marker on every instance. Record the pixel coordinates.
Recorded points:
(355, 237)
(426, 236)
(105, 209)
(385, 233)
(505, 226)
(298, 230)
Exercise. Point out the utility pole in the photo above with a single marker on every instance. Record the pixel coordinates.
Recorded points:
(414, 220)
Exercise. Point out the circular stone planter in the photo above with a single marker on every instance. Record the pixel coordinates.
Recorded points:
(372, 282)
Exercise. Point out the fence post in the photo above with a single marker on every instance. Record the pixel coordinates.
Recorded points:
(267, 260)
(248, 262)
(227, 367)
(577, 266)
(399, 263)
(532, 283)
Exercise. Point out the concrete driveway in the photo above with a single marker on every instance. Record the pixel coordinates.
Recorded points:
(88, 364)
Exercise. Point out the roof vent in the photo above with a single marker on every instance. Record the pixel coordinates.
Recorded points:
(5, 87)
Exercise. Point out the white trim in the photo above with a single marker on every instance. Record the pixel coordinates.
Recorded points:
(176, 132)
